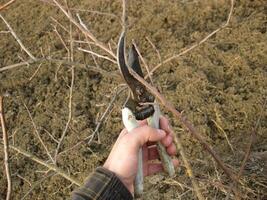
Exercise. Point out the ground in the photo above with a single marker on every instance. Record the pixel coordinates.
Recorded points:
(221, 87)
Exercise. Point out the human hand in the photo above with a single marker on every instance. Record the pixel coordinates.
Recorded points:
(123, 159)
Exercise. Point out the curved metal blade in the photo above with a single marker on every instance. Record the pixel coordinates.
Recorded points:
(140, 94)
(133, 61)
(121, 60)
(134, 84)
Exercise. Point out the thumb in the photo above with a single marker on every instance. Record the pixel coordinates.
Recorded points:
(144, 134)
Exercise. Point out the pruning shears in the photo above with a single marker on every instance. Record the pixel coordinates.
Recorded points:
(141, 105)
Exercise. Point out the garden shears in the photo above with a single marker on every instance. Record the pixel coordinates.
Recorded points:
(140, 106)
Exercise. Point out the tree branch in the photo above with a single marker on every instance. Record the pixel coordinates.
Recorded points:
(6, 151)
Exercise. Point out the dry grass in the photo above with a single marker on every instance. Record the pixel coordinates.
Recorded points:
(228, 180)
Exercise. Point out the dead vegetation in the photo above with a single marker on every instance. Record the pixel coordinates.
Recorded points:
(71, 148)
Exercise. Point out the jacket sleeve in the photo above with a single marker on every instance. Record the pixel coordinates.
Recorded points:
(102, 185)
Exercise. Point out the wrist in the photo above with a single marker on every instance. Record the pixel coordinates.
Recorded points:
(102, 184)
(128, 184)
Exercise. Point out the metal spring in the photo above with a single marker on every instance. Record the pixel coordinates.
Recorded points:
(144, 112)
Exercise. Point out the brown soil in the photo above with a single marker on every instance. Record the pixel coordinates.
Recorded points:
(221, 86)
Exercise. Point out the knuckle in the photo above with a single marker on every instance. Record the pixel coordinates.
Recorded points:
(163, 118)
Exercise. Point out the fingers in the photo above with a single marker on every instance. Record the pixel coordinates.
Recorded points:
(148, 135)
(144, 134)
(154, 168)
(165, 125)
(171, 150)
(153, 153)
(167, 141)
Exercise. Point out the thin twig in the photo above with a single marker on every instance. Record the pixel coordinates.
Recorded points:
(33, 75)
(105, 114)
(94, 58)
(44, 163)
(108, 109)
(61, 39)
(248, 151)
(87, 41)
(98, 55)
(225, 135)
(6, 151)
(4, 32)
(70, 96)
(16, 65)
(70, 36)
(84, 10)
(37, 133)
(50, 135)
(181, 195)
(198, 43)
(252, 139)
(155, 48)
(58, 23)
(144, 62)
(24, 179)
(233, 186)
(17, 38)
(113, 74)
(188, 167)
(37, 183)
(6, 4)
(124, 15)
(90, 51)
(83, 42)
(219, 185)
(86, 32)
(185, 122)
(173, 182)
(81, 22)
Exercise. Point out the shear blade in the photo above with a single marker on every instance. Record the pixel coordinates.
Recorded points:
(133, 61)
(140, 94)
